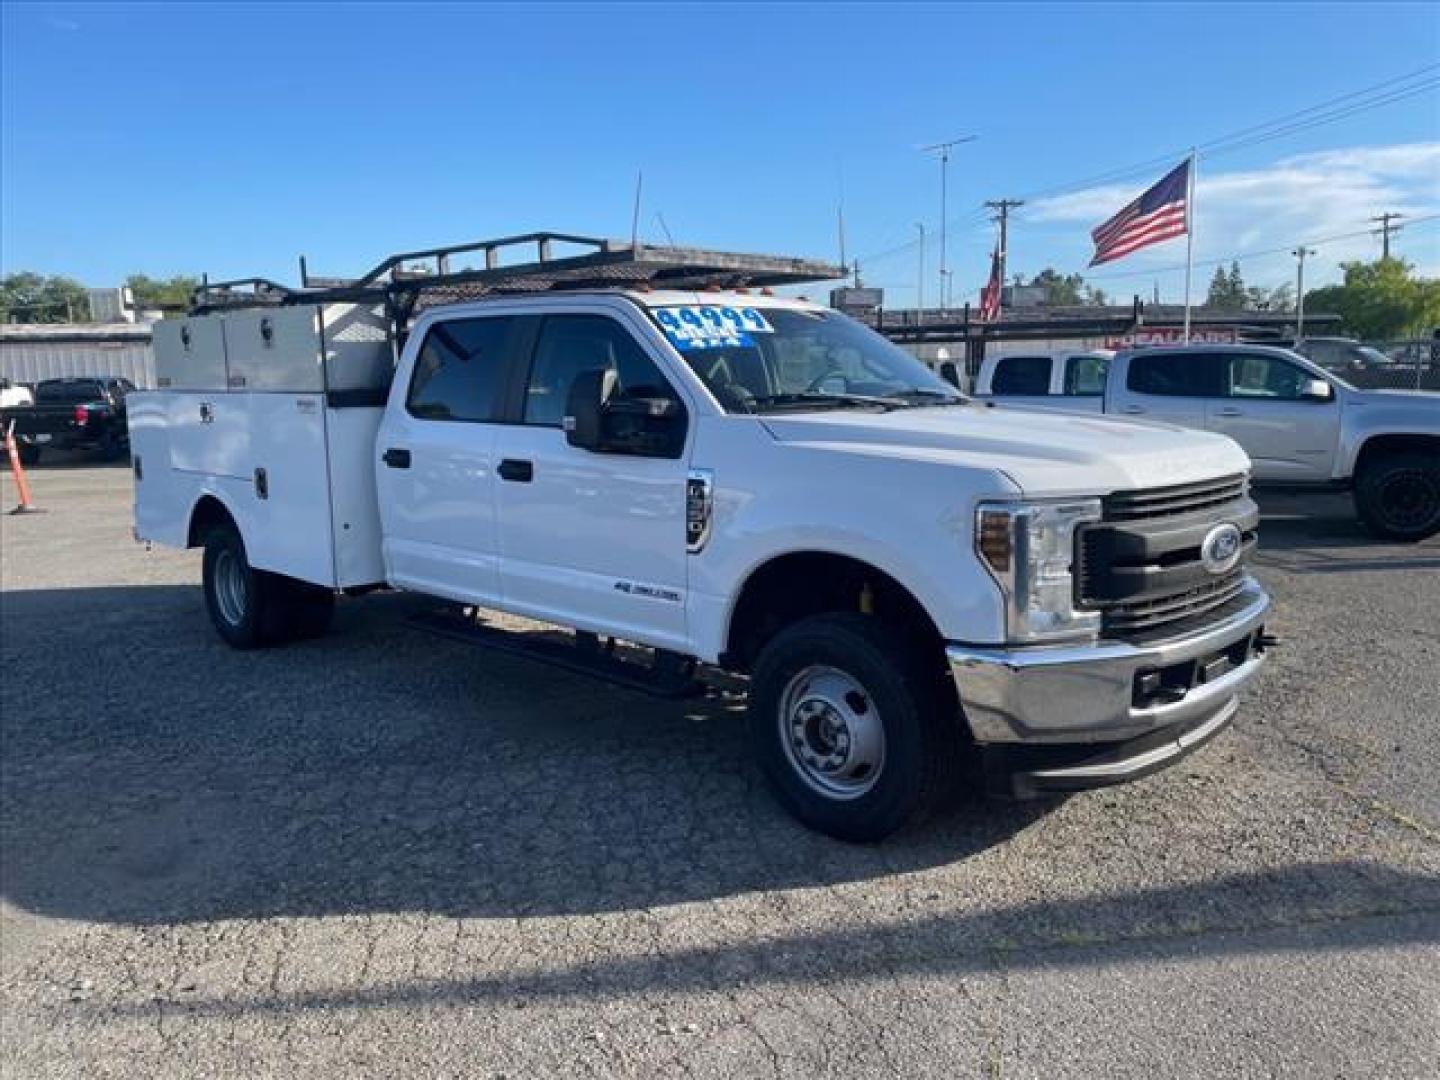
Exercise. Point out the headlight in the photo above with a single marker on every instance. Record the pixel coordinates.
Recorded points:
(1029, 548)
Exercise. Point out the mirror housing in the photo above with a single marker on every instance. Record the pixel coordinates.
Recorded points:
(597, 421)
(585, 408)
(1317, 390)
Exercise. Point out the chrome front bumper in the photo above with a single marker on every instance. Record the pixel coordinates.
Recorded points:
(1113, 693)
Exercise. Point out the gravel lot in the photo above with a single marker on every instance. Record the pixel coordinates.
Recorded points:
(386, 853)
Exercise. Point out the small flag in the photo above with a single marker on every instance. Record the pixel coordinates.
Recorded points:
(1159, 214)
(990, 294)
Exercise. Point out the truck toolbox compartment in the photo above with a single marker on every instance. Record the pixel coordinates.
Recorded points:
(189, 354)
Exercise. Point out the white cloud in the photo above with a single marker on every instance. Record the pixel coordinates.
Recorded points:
(1303, 198)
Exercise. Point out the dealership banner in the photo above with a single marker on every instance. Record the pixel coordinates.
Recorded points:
(1171, 335)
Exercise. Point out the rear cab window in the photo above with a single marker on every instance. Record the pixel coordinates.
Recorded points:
(69, 391)
(1021, 376)
(1178, 374)
(460, 369)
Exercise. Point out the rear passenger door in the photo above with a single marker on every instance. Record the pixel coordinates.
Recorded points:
(435, 472)
(587, 539)
(1175, 386)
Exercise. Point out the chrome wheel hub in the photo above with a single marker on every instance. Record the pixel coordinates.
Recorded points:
(832, 732)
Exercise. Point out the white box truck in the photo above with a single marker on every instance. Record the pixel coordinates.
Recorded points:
(644, 446)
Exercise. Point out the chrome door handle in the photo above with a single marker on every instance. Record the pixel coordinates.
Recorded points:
(1132, 408)
(207, 413)
(1229, 410)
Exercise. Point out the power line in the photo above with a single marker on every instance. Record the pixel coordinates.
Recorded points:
(1370, 97)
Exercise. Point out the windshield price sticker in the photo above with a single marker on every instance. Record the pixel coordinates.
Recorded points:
(711, 327)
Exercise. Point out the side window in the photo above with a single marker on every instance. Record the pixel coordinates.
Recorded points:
(1256, 376)
(1021, 375)
(570, 344)
(459, 370)
(1178, 374)
(1085, 375)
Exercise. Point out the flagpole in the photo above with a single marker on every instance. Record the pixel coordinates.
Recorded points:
(1189, 240)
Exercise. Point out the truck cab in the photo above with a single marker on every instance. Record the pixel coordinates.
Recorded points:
(918, 591)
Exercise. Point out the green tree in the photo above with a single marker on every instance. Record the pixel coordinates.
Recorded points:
(1061, 290)
(1379, 300)
(1259, 298)
(173, 293)
(33, 298)
(1227, 289)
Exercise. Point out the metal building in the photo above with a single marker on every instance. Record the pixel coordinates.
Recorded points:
(29, 353)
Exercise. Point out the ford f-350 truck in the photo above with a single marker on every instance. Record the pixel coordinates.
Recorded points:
(641, 445)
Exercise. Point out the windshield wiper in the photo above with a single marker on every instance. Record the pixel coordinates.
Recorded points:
(927, 397)
(808, 399)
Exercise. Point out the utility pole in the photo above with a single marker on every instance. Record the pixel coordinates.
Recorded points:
(943, 149)
(1300, 253)
(1002, 208)
(1386, 229)
(920, 279)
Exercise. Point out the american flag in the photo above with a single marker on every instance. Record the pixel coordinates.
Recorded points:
(990, 294)
(1159, 214)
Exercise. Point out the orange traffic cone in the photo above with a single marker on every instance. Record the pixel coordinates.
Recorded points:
(26, 506)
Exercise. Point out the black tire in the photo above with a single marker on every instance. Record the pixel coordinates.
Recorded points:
(238, 598)
(915, 705)
(1398, 496)
(28, 453)
(112, 447)
(254, 608)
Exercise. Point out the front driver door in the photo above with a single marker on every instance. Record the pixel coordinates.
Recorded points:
(1289, 437)
(593, 540)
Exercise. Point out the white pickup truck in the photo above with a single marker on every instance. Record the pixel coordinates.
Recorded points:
(922, 591)
(1300, 424)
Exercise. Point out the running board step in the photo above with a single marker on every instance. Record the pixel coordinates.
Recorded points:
(670, 676)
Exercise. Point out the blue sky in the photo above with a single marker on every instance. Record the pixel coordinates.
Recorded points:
(229, 139)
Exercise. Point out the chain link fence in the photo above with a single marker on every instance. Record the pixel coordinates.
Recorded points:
(1411, 364)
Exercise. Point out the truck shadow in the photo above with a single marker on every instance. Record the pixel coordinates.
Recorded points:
(152, 775)
(1318, 532)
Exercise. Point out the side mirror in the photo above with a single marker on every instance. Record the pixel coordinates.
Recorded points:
(585, 408)
(1317, 390)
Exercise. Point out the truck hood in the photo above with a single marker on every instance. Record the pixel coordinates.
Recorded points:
(1045, 454)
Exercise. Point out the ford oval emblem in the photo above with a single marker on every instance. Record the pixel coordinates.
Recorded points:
(1220, 550)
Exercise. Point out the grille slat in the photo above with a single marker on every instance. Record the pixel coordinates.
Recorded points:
(1173, 500)
(1147, 614)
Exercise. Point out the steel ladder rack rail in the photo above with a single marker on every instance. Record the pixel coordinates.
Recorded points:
(401, 289)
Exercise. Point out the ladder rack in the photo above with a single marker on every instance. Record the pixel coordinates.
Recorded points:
(406, 282)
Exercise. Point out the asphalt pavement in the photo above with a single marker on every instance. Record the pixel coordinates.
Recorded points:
(384, 853)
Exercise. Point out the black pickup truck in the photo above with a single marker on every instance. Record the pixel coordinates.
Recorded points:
(81, 413)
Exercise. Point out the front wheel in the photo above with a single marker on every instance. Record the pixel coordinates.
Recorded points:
(1398, 496)
(856, 731)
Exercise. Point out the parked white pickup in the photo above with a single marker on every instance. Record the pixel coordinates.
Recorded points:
(1301, 425)
(736, 480)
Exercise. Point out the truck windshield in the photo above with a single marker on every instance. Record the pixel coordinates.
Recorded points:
(771, 359)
